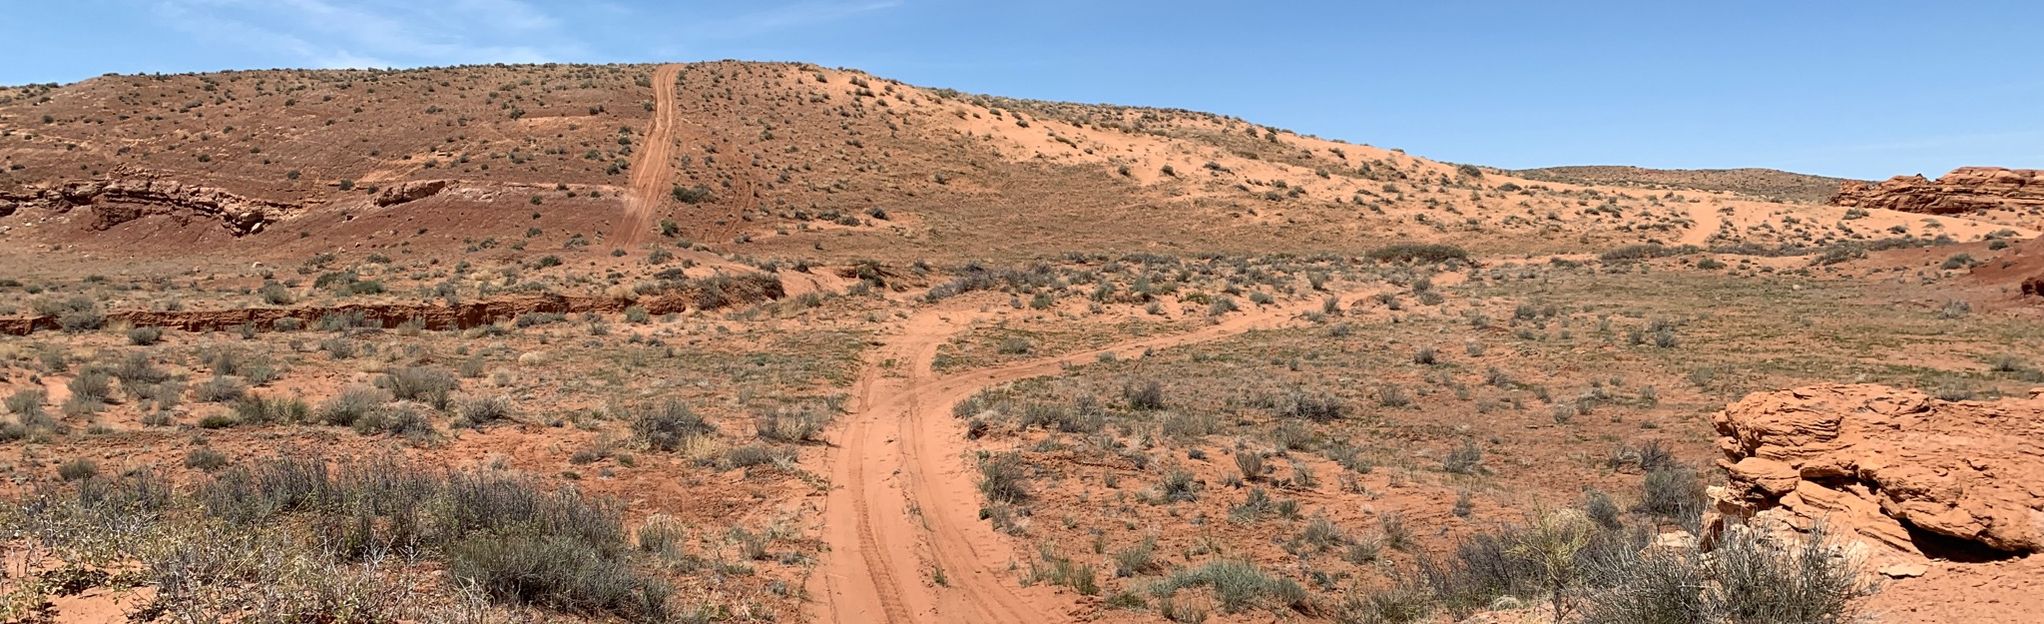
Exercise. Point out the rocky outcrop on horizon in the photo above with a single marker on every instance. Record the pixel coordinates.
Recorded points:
(1966, 189)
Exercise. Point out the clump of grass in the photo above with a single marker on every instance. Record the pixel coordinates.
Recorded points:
(1138, 559)
(352, 404)
(1148, 395)
(425, 384)
(1418, 252)
(479, 410)
(77, 469)
(665, 426)
(220, 389)
(1238, 585)
(1002, 478)
(558, 573)
(801, 423)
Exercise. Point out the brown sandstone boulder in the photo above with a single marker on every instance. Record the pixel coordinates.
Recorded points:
(1889, 465)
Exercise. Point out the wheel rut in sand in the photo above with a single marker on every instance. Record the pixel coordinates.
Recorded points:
(652, 167)
(904, 505)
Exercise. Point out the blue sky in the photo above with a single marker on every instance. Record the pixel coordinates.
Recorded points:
(1862, 89)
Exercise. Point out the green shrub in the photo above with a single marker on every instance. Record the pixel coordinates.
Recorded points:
(476, 411)
(558, 573)
(352, 404)
(77, 469)
(691, 194)
(1060, 570)
(1746, 578)
(425, 384)
(1239, 586)
(1002, 478)
(664, 427)
(1809, 581)
(257, 410)
(1418, 252)
(145, 336)
(206, 459)
(220, 389)
(1148, 395)
(1138, 559)
(76, 313)
(136, 369)
(91, 385)
(801, 423)
(1646, 251)
(1675, 493)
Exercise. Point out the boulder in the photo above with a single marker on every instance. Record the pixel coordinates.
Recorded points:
(1888, 465)
(409, 192)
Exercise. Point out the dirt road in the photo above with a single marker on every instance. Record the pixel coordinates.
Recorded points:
(653, 164)
(904, 509)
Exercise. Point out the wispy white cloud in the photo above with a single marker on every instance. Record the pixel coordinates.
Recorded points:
(789, 16)
(379, 33)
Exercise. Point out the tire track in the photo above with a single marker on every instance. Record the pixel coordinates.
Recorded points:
(905, 505)
(652, 169)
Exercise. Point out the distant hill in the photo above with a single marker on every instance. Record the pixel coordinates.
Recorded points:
(1770, 184)
(771, 161)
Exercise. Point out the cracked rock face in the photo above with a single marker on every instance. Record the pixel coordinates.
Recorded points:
(128, 197)
(1965, 189)
(1888, 464)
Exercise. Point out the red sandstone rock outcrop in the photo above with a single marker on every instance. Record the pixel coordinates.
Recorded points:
(1963, 190)
(1883, 462)
(128, 195)
(410, 192)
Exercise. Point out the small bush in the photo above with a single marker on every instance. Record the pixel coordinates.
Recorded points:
(663, 428)
(256, 410)
(1467, 459)
(77, 470)
(432, 386)
(476, 411)
(352, 404)
(220, 389)
(145, 336)
(1148, 395)
(1002, 480)
(1759, 579)
(1318, 407)
(275, 294)
(136, 369)
(558, 573)
(1138, 559)
(1239, 586)
(691, 194)
(1251, 465)
(1417, 252)
(91, 385)
(77, 313)
(1747, 578)
(1675, 493)
(1178, 486)
(205, 459)
(791, 424)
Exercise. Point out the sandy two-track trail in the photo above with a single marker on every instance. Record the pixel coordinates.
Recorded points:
(904, 507)
(653, 166)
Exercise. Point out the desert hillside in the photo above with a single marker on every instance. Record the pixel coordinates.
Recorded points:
(771, 342)
(1770, 184)
(776, 160)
